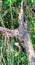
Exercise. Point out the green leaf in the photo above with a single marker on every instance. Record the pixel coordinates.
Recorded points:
(16, 54)
(6, 4)
(24, 58)
(33, 21)
(13, 1)
(28, 63)
(29, 1)
(0, 44)
(18, 0)
(32, 1)
(33, 28)
(34, 45)
(33, 36)
(9, 2)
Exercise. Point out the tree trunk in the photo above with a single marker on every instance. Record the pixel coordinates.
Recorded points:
(22, 34)
(26, 37)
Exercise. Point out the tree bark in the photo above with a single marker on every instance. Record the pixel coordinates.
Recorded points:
(26, 36)
(21, 34)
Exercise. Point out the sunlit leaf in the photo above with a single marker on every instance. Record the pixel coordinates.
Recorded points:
(16, 54)
(13, 1)
(33, 21)
(24, 58)
(33, 36)
(32, 1)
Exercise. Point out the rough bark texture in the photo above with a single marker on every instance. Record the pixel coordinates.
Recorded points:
(26, 36)
(21, 34)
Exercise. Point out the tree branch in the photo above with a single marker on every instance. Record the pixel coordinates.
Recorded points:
(11, 33)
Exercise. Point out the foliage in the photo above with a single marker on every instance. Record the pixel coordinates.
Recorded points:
(12, 55)
(10, 2)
